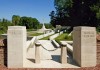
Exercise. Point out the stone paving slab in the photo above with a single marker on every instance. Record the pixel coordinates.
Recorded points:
(54, 62)
(48, 64)
(83, 68)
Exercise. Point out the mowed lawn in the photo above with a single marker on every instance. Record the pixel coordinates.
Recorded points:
(63, 37)
(36, 34)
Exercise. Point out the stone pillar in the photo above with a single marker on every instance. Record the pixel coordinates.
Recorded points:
(63, 52)
(84, 46)
(37, 52)
(16, 46)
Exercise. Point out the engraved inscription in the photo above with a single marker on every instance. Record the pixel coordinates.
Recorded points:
(88, 34)
(15, 33)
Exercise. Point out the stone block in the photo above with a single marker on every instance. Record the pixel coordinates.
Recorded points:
(16, 40)
(84, 46)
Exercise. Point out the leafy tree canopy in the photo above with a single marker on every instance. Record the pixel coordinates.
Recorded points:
(76, 13)
(29, 22)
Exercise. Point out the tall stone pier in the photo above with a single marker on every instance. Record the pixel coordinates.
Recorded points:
(84, 46)
(16, 46)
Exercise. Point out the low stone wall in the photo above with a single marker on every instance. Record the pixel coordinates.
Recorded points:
(54, 36)
(44, 35)
(55, 43)
(3, 52)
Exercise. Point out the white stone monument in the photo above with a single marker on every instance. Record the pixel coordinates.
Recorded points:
(16, 46)
(44, 30)
(84, 46)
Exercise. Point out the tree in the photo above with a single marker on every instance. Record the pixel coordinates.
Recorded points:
(61, 15)
(24, 22)
(4, 23)
(15, 19)
(76, 13)
(35, 23)
(29, 22)
(82, 14)
(53, 18)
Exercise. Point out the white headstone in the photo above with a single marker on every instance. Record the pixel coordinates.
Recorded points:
(16, 46)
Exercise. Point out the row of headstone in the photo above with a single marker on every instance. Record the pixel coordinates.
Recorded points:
(84, 46)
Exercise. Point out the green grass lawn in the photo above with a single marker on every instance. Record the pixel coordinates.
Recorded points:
(35, 34)
(63, 37)
(31, 30)
(46, 38)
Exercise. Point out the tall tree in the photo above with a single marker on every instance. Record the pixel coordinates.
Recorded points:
(35, 23)
(29, 22)
(76, 12)
(61, 15)
(53, 18)
(82, 14)
(4, 23)
(15, 19)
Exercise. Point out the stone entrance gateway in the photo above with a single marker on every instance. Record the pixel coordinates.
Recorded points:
(84, 50)
(18, 47)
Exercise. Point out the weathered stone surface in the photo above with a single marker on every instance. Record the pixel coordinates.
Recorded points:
(37, 52)
(84, 46)
(63, 52)
(16, 46)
